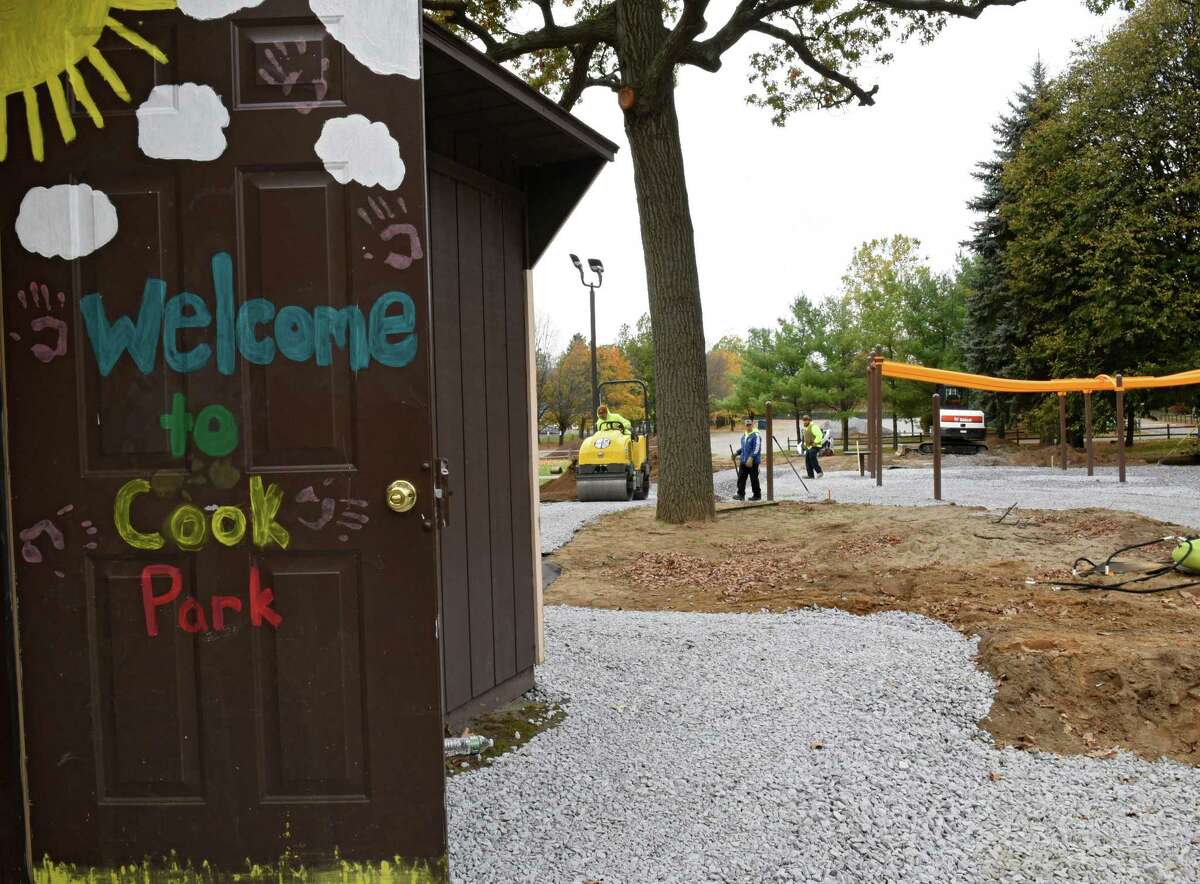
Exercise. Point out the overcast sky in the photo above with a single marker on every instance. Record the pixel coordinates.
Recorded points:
(779, 211)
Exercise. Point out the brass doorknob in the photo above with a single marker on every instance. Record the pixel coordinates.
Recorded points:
(401, 496)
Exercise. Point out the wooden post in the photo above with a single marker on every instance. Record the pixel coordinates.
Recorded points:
(871, 416)
(1087, 433)
(937, 446)
(1120, 428)
(1062, 429)
(770, 451)
(879, 417)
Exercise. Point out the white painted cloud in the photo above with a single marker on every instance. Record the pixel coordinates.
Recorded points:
(65, 221)
(205, 9)
(182, 123)
(384, 35)
(355, 149)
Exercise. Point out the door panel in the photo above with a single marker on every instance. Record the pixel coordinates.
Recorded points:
(478, 256)
(229, 643)
(134, 679)
(308, 757)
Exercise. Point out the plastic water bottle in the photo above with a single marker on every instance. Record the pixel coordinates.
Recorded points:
(471, 745)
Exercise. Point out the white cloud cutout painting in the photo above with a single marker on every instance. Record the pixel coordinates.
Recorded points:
(208, 9)
(185, 122)
(65, 221)
(355, 149)
(383, 35)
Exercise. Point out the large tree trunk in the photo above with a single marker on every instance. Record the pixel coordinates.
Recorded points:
(685, 490)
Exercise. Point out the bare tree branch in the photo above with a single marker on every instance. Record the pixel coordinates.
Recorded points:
(578, 81)
(971, 9)
(459, 17)
(800, 46)
(690, 25)
(600, 28)
(706, 54)
(547, 12)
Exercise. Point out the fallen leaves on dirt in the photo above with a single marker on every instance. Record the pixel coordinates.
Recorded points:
(730, 577)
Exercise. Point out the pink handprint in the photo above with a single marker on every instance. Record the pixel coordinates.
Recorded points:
(286, 69)
(29, 537)
(389, 228)
(40, 294)
(349, 517)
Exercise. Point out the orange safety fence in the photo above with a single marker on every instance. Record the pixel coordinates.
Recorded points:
(909, 372)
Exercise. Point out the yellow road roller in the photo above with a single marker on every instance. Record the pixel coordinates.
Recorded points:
(614, 462)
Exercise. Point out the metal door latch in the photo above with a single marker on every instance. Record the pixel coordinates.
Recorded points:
(441, 491)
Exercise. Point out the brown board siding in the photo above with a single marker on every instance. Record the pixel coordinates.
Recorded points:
(478, 252)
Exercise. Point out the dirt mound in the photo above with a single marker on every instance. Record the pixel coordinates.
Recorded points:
(559, 488)
(1077, 672)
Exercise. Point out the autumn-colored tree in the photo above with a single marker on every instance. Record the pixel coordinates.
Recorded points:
(569, 387)
(724, 362)
(804, 54)
(625, 399)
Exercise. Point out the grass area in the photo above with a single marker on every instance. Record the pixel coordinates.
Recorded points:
(510, 728)
(548, 470)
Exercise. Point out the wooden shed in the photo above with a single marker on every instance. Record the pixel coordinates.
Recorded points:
(506, 167)
(376, 566)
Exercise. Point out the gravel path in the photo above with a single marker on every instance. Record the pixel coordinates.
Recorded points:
(809, 746)
(560, 521)
(1168, 493)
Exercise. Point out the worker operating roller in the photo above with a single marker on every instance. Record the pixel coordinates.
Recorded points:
(614, 462)
(604, 414)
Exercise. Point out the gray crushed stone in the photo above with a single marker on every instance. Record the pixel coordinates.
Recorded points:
(807, 746)
(561, 520)
(1171, 494)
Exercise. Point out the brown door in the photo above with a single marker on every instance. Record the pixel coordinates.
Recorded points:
(228, 641)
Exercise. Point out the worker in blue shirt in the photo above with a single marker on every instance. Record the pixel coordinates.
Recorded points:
(747, 462)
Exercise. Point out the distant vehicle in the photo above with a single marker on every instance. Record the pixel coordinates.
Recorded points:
(964, 430)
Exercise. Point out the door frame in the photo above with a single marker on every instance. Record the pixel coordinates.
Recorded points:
(15, 851)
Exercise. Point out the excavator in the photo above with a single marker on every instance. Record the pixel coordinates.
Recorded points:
(614, 462)
(964, 430)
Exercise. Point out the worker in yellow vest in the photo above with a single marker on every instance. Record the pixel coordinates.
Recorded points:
(603, 415)
(814, 439)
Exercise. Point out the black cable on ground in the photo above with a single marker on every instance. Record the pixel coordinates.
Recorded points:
(1166, 568)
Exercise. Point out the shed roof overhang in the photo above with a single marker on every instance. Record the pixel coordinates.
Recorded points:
(557, 155)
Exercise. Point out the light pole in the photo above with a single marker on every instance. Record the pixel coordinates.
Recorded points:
(598, 268)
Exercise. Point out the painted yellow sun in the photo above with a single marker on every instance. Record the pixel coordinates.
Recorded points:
(42, 40)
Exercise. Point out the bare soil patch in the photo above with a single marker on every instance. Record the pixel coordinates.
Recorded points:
(1078, 672)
